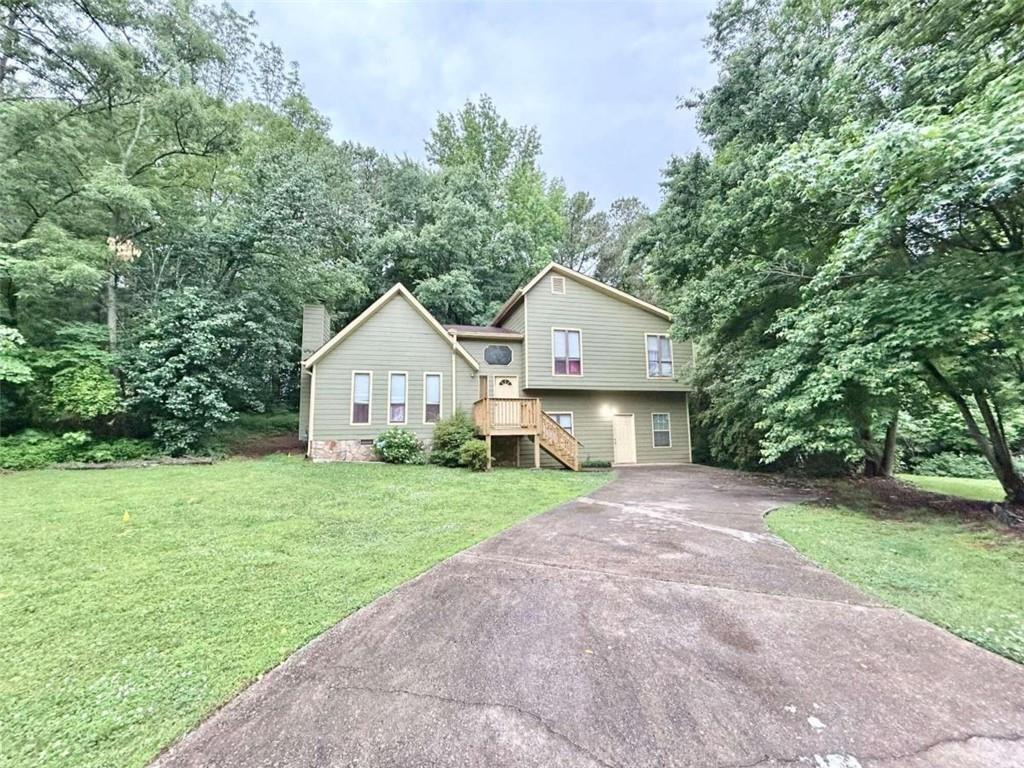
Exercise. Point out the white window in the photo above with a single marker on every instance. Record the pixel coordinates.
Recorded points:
(659, 356)
(661, 430)
(361, 388)
(396, 398)
(558, 284)
(567, 346)
(431, 398)
(564, 420)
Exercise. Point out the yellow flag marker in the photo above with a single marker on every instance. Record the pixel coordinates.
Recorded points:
(126, 518)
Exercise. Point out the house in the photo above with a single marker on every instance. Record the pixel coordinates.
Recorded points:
(570, 370)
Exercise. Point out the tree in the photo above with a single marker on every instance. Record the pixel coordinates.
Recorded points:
(856, 233)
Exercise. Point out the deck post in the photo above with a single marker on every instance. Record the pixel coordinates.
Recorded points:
(488, 441)
(536, 451)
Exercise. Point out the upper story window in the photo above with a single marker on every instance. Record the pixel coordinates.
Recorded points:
(396, 398)
(567, 346)
(431, 398)
(558, 284)
(661, 430)
(497, 354)
(659, 356)
(361, 397)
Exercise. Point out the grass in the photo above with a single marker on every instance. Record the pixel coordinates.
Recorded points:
(133, 602)
(967, 488)
(966, 578)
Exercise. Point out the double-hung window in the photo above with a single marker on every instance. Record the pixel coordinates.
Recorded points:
(568, 352)
(659, 356)
(361, 397)
(397, 398)
(661, 430)
(431, 398)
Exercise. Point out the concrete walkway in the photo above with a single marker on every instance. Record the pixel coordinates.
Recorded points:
(656, 623)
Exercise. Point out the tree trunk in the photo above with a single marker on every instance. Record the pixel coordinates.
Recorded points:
(1002, 458)
(992, 441)
(112, 310)
(889, 449)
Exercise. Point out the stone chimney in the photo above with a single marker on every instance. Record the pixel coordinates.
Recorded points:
(316, 331)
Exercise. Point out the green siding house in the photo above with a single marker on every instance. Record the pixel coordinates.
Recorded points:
(569, 371)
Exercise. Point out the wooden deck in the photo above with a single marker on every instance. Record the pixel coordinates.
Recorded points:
(522, 416)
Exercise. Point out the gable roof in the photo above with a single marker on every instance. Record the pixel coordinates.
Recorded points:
(396, 290)
(597, 285)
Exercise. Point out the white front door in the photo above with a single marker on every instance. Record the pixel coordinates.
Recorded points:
(506, 386)
(623, 438)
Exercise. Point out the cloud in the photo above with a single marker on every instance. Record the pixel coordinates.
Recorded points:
(599, 80)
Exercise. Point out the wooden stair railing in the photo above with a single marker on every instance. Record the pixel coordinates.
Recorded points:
(559, 442)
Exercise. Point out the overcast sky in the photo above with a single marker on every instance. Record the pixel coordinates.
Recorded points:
(600, 81)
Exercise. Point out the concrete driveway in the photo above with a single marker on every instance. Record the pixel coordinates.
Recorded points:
(655, 623)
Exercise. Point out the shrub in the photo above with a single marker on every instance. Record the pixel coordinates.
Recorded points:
(596, 464)
(473, 454)
(449, 436)
(952, 464)
(32, 449)
(398, 446)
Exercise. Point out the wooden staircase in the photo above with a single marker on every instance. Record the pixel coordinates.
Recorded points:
(499, 417)
(559, 442)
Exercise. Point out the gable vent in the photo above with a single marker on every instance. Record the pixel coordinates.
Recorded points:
(558, 284)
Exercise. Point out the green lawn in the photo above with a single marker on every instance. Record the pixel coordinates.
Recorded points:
(135, 601)
(968, 579)
(968, 488)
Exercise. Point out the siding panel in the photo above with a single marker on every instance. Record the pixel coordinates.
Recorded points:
(614, 351)
(395, 339)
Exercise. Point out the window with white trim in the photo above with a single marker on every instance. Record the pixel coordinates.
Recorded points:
(659, 356)
(431, 398)
(396, 398)
(564, 420)
(661, 430)
(568, 352)
(361, 398)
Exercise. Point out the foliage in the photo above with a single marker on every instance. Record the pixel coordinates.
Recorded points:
(449, 436)
(473, 455)
(951, 464)
(13, 367)
(854, 239)
(298, 547)
(966, 580)
(398, 446)
(32, 449)
(595, 464)
(85, 393)
(186, 373)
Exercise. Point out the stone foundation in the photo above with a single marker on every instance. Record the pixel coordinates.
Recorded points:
(341, 450)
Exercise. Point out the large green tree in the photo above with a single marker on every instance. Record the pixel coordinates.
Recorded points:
(856, 233)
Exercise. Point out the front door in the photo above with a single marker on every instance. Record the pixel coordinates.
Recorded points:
(623, 438)
(506, 386)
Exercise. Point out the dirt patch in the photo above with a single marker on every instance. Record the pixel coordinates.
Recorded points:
(265, 445)
(894, 499)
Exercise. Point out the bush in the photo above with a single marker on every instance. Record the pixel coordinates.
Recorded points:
(473, 455)
(32, 449)
(398, 446)
(952, 464)
(449, 436)
(595, 464)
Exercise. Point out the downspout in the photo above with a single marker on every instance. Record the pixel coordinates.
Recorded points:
(309, 416)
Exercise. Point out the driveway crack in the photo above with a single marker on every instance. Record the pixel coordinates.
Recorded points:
(548, 727)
